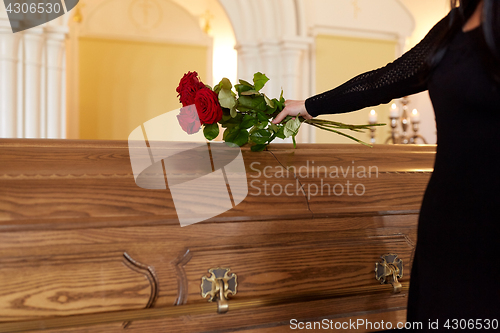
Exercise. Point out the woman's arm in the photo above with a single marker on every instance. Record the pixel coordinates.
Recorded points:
(405, 76)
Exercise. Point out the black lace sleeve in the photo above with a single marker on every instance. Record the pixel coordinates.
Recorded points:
(405, 76)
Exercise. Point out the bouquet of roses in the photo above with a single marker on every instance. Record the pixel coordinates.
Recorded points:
(245, 114)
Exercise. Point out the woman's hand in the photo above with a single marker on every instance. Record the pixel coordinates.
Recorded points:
(292, 108)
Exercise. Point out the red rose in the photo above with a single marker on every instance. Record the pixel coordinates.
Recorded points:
(188, 86)
(188, 119)
(207, 104)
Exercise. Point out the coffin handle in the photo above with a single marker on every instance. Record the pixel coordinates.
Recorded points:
(218, 286)
(389, 270)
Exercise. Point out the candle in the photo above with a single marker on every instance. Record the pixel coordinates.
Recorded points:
(415, 116)
(394, 111)
(373, 117)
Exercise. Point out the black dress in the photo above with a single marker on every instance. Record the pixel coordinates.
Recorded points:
(456, 267)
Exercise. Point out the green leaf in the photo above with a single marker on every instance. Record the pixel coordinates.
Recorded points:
(282, 100)
(230, 132)
(279, 105)
(225, 118)
(274, 128)
(234, 121)
(261, 136)
(250, 92)
(259, 80)
(233, 112)
(292, 127)
(237, 136)
(257, 148)
(211, 131)
(242, 108)
(226, 84)
(245, 101)
(269, 102)
(281, 132)
(217, 88)
(238, 119)
(256, 103)
(241, 138)
(245, 83)
(261, 116)
(248, 121)
(240, 88)
(262, 125)
(226, 99)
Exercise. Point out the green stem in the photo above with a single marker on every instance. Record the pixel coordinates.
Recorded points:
(343, 134)
(358, 129)
(272, 138)
(340, 125)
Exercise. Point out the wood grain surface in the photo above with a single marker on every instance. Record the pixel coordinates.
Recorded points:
(62, 285)
(70, 209)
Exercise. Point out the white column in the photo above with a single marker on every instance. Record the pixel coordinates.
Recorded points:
(248, 60)
(72, 119)
(271, 66)
(33, 46)
(55, 48)
(64, 121)
(294, 54)
(9, 46)
(295, 79)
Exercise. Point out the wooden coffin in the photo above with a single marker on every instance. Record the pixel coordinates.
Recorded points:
(83, 248)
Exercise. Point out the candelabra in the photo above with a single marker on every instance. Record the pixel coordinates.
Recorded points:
(400, 136)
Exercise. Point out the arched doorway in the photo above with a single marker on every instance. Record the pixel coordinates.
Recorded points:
(126, 57)
(277, 37)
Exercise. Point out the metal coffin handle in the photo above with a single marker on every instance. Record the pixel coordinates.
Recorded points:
(218, 286)
(389, 271)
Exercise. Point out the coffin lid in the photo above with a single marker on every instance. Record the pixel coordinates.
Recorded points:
(79, 183)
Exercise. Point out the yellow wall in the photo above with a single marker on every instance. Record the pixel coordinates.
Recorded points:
(338, 59)
(124, 83)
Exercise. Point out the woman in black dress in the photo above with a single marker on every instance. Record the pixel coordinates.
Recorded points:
(456, 268)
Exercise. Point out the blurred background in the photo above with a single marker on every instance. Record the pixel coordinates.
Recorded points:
(108, 66)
